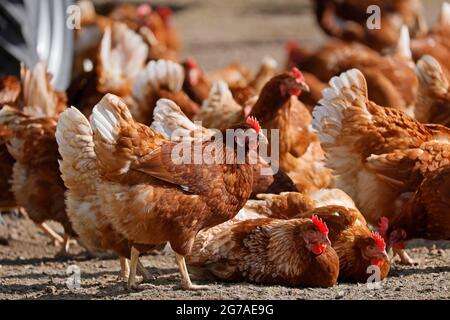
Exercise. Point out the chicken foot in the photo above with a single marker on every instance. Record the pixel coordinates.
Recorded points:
(124, 273)
(133, 265)
(404, 257)
(57, 240)
(64, 252)
(186, 283)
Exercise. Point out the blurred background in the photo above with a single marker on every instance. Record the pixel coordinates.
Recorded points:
(218, 32)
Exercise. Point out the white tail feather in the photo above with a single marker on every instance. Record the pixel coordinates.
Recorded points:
(403, 46)
(343, 91)
(445, 13)
(104, 119)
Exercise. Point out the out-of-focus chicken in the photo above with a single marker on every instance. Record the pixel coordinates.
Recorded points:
(195, 83)
(390, 78)
(143, 15)
(80, 174)
(433, 98)
(378, 154)
(293, 252)
(314, 94)
(435, 43)
(424, 214)
(235, 75)
(139, 177)
(357, 247)
(349, 20)
(36, 183)
(122, 56)
(161, 79)
(267, 71)
(10, 89)
(220, 110)
(278, 108)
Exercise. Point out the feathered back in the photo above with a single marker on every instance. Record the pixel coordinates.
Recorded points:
(220, 110)
(172, 123)
(433, 96)
(122, 56)
(158, 74)
(38, 97)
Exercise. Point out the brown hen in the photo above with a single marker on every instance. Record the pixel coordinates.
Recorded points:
(379, 154)
(139, 177)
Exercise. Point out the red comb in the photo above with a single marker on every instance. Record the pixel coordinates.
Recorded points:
(144, 9)
(320, 225)
(254, 123)
(298, 74)
(383, 226)
(291, 45)
(164, 12)
(191, 63)
(378, 240)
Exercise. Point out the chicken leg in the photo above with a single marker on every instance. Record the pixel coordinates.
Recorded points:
(133, 265)
(124, 269)
(404, 257)
(147, 276)
(186, 283)
(57, 240)
(64, 252)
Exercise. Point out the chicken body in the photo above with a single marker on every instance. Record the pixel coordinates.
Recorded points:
(433, 99)
(390, 78)
(379, 154)
(280, 112)
(349, 234)
(138, 178)
(349, 20)
(36, 181)
(266, 251)
(161, 79)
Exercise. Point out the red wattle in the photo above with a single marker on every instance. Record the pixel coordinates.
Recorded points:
(377, 262)
(318, 248)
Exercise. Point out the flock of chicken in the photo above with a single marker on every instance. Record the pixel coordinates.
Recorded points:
(368, 150)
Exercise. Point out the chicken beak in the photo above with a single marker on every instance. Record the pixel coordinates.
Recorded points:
(304, 86)
(384, 255)
(262, 138)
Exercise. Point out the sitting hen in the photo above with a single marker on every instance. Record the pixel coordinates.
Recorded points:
(357, 247)
(293, 252)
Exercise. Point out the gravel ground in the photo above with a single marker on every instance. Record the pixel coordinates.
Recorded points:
(216, 33)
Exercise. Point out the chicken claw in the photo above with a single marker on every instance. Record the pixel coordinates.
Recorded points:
(405, 258)
(57, 240)
(186, 283)
(124, 270)
(147, 276)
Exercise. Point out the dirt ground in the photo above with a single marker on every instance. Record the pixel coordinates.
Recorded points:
(216, 33)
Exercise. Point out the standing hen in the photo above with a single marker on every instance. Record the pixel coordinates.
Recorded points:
(139, 178)
(379, 154)
(36, 183)
(80, 174)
